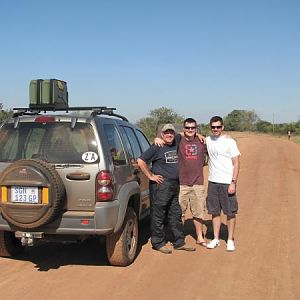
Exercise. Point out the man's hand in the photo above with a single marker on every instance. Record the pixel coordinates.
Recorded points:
(231, 188)
(156, 178)
(145, 169)
(201, 138)
(159, 142)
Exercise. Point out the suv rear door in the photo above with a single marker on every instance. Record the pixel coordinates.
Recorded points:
(71, 148)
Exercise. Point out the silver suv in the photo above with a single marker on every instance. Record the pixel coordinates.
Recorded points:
(71, 174)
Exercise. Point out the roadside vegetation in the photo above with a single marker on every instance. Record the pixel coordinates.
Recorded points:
(237, 120)
(4, 114)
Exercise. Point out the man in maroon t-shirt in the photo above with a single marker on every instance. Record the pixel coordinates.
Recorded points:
(191, 157)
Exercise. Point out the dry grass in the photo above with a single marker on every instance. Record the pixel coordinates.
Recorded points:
(237, 135)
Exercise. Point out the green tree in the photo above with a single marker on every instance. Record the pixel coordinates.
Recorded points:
(4, 114)
(158, 116)
(241, 120)
(264, 126)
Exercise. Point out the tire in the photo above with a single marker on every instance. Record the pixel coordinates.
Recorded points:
(32, 173)
(121, 247)
(9, 244)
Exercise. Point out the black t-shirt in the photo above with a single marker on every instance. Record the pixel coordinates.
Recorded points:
(164, 160)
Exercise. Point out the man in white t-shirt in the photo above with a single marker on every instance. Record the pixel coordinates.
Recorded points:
(222, 179)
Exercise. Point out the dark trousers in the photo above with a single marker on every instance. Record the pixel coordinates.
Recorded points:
(164, 204)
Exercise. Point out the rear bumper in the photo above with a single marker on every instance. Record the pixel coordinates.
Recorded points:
(102, 221)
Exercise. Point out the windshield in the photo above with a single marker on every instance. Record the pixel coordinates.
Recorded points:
(54, 142)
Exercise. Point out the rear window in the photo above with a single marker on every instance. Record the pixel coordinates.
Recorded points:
(51, 142)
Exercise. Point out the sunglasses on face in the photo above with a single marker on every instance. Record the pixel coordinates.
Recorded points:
(216, 127)
(169, 132)
(190, 127)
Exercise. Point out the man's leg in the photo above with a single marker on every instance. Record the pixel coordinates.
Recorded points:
(230, 208)
(214, 209)
(199, 230)
(158, 212)
(176, 226)
(216, 220)
(183, 200)
(174, 217)
(198, 209)
(231, 221)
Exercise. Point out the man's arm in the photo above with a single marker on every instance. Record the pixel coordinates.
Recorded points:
(159, 142)
(236, 168)
(201, 138)
(145, 169)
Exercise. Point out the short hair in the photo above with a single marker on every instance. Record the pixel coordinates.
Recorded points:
(216, 119)
(189, 120)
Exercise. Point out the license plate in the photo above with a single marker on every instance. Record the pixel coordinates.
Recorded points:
(24, 194)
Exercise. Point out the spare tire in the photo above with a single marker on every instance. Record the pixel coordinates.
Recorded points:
(44, 179)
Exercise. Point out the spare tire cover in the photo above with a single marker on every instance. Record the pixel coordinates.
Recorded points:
(32, 173)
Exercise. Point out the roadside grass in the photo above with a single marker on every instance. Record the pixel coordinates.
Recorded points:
(295, 138)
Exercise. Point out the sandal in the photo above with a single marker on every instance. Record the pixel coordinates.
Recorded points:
(203, 244)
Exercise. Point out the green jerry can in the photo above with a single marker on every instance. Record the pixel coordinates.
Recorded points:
(50, 93)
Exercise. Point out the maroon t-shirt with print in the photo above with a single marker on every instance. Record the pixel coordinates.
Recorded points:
(191, 155)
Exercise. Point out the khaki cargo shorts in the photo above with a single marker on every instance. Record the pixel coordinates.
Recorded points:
(195, 196)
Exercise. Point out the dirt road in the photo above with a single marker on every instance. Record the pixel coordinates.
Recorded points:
(266, 264)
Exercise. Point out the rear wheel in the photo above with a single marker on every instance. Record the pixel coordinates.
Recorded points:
(121, 247)
(9, 244)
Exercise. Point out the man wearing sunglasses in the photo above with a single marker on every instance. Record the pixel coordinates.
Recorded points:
(191, 157)
(222, 179)
(164, 190)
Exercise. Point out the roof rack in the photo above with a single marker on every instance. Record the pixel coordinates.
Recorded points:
(96, 110)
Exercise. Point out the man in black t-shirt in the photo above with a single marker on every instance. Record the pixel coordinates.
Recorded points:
(164, 190)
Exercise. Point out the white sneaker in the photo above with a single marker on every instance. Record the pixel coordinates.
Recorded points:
(213, 244)
(230, 245)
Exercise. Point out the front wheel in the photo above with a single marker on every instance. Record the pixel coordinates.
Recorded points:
(9, 244)
(121, 247)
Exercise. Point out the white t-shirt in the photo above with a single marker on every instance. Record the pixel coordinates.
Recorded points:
(220, 151)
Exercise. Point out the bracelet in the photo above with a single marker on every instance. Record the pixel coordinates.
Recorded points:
(233, 181)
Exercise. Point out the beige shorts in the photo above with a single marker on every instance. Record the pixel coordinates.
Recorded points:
(193, 195)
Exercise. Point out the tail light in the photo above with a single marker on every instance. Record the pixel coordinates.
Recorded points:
(104, 186)
(45, 119)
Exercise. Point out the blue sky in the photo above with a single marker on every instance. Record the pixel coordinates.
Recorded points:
(199, 58)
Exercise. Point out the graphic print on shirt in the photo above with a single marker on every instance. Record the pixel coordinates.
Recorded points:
(171, 157)
(191, 151)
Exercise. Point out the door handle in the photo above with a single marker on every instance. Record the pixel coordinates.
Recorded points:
(78, 176)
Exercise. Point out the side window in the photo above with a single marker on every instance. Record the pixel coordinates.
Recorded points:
(127, 143)
(143, 140)
(115, 145)
(132, 143)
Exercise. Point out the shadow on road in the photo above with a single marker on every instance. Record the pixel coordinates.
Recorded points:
(53, 255)
(90, 252)
(189, 229)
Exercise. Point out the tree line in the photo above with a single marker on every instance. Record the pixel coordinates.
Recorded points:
(237, 120)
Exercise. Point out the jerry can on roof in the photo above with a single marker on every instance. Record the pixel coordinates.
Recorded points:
(50, 93)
